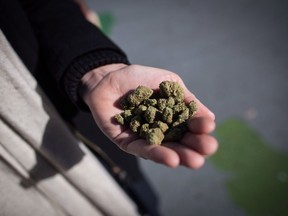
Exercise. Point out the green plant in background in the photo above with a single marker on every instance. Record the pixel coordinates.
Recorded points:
(107, 21)
(259, 173)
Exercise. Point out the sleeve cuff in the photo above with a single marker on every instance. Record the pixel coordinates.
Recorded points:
(81, 65)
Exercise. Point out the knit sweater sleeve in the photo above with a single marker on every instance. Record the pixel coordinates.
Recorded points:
(70, 45)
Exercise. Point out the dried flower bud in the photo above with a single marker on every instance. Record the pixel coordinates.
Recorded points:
(162, 103)
(150, 102)
(179, 107)
(140, 94)
(135, 123)
(170, 102)
(119, 119)
(171, 89)
(124, 104)
(159, 124)
(175, 133)
(127, 115)
(150, 114)
(192, 108)
(182, 117)
(143, 130)
(140, 109)
(154, 136)
(167, 115)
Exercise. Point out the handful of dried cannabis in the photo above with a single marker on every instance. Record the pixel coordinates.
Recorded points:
(157, 116)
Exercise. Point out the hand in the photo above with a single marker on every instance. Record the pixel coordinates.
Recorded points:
(103, 88)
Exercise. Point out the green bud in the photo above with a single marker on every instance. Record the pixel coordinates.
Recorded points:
(167, 115)
(170, 102)
(140, 94)
(179, 107)
(135, 123)
(162, 103)
(193, 108)
(140, 109)
(159, 124)
(124, 104)
(154, 136)
(143, 130)
(150, 102)
(127, 115)
(119, 119)
(150, 114)
(175, 133)
(184, 115)
(171, 89)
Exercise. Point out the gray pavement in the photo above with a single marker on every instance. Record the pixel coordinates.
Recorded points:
(234, 56)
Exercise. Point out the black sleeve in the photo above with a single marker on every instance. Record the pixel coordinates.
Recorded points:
(71, 46)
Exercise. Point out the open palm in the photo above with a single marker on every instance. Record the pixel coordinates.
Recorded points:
(103, 101)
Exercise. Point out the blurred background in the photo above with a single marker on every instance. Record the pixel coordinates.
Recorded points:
(233, 55)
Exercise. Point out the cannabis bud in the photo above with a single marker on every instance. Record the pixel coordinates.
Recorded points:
(157, 116)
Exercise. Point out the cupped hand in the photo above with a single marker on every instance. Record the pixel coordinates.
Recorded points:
(104, 87)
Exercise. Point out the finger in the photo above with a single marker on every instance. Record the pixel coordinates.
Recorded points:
(156, 153)
(201, 125)
(203, 144)
(188, 157)
(202, 111)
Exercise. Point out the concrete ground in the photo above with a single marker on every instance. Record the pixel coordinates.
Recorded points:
(234, 56)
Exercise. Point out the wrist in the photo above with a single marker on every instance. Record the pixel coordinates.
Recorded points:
(78, 67)
(92, 78)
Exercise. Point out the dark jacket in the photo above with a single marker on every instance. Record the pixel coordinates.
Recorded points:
(58, 46)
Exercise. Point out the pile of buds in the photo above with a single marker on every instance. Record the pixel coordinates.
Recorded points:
(157, 116)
